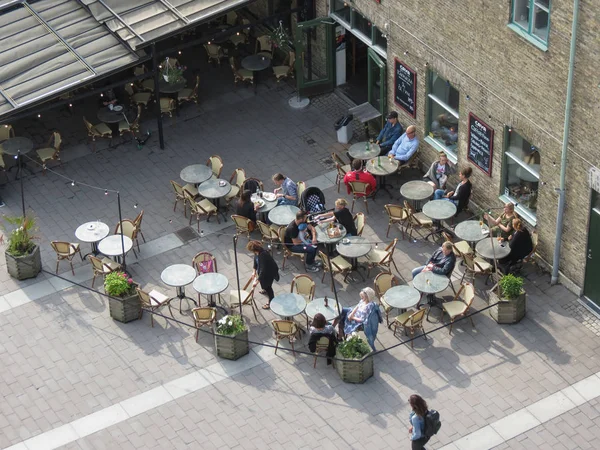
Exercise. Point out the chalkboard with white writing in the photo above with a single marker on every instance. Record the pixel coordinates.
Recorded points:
(481, 144)
(405, 88)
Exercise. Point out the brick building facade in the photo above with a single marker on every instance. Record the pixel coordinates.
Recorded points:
(474, 57)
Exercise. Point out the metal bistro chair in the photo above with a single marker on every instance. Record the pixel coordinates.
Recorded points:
(411, 321)
(397, 215)
(189, 95)
(247, 297)
(287, 253)
(359, 190)
(66, 251)
(460, 305)
(338, 265)
(52, 150)
(380, 258)
(102, 266)
(359, 223)
(129, 230)
(242, 225)
(285, 329)
(204, 317)
(216, 165)
(383, 282)
(151, 301)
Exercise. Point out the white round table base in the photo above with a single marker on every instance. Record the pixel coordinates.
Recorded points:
(298, 102)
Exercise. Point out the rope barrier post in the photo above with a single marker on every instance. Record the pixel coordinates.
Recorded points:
(237, 272)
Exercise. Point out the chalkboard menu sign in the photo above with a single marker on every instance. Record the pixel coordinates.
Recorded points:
(405, 88)
(481, 144)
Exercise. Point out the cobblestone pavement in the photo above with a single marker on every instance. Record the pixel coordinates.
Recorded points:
(75, 378)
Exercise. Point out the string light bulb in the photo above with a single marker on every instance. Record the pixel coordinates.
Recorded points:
(106, 192)
(135, 206)
(208, 42)
(376, 245)
(201, 233)
(101, 94)
(70, 105)
(468, 98)
(73, 183)
(179, 52)
(39, 116)
(405, 52)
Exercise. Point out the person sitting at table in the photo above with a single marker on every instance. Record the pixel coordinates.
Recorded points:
(295, 244)
(459, 196)
(360, 174)
(439, 171)
(390, 133)
(442, 261)
(502, 226)
(439, 125)
(520, 244)
(247, 209)
(289, 190)
(405, 146)
(320, 328)
(342, 215)
(265, 270)
(366, 314)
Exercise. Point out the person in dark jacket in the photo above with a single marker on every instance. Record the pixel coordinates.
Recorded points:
(460, 196)
(442, 261)
(265, 270)
(520, 244)
(246, 208)
(320, 328)
(341, 215)
(390, 133)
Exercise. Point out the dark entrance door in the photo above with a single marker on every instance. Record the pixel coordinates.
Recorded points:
(591, 287)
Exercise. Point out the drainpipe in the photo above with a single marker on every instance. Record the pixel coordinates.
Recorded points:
(565, 145)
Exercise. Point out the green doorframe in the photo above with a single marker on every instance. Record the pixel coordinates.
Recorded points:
(376, 63)
(591, 287)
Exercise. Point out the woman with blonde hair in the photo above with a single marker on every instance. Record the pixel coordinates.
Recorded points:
(341, 215)
(502, 226)
(366, 315)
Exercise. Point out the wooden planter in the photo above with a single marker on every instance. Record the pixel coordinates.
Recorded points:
(23, 267)
(232, 347)
(125, 309)
(355, 371)
(507, 311)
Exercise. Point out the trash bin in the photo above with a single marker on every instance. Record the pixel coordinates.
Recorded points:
(344, 129)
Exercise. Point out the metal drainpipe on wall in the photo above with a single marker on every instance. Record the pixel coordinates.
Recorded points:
(565, 146)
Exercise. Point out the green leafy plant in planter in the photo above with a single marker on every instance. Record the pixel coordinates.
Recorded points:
(509, 301)
(511, 286)
(231, 337)
(23, 258)
(279, 36)
(126, 306)
(172, 74)
(352, 361)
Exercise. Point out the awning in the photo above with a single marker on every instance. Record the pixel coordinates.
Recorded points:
(51, 46)
(139, 22)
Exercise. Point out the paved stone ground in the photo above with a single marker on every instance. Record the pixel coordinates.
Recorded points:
(64, 358)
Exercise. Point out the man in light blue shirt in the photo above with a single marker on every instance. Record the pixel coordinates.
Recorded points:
(287, 190)
(406, 145)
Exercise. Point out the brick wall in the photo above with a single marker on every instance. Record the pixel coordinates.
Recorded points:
(509, 82)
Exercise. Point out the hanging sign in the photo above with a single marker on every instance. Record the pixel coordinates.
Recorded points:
(405, 88)
(481, 144)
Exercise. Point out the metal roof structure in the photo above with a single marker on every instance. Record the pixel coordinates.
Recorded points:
(140, 22)
(48, 47)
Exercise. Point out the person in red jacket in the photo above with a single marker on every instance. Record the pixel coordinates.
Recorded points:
(360, 174)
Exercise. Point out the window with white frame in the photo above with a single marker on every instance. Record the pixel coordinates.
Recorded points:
(532, 17)
(521, 172)
(442, 107)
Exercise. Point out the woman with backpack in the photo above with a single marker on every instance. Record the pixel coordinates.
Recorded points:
(417, 422)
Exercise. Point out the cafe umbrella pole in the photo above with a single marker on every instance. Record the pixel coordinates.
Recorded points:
(20, 172)
(156, 69)
(337, 302)
(237, 272)
(121, 226)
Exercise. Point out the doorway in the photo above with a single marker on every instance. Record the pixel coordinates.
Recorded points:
(591, 288)
(356, 84)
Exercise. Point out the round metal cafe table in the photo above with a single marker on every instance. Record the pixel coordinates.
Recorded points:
(288, 305)
(210, 284)
(416, 190)
(430, 283)
(492, 249)
(318, 306)
(92, 232)
(402, 297)
(179, 276)
(196, 174)
(283, 215)
(471, 231)
(360, 150)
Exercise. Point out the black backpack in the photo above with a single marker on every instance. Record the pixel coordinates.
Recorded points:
(432, 423)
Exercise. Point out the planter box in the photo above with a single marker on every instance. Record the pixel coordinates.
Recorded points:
(232, 348)
(126, 309)
(355, 371)
(508, 311)
(23, 267)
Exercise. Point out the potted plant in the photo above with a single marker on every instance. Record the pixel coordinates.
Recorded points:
(172, 74)
(124, 302)
(353, 360)
(231, 337)
(23, 258)
(510, 299)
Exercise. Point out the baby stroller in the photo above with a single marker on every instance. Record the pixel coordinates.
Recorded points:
(312, 200)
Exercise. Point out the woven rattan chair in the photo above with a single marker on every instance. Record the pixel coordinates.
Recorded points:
(459, 307)
(321, 348)
(476, 266)
(138, 98)
(129, 230)
(285, 329)
(200, 208)
(359, 223)
(66, 251)
(264, 46)
(180, 194)
(103, 266)
(460, 247)
(287, 69)
(243, 75)
(236, 180)
(416, 220)
(342, 169)
(380, 258)
(138, 224)
(167, 106)
(204, 317)
(247, 297)
(216, 165)
(189, 95)
(214, 53)
(97, 131)
(383, 282)
(338, 265)
(396, 215)
(268, 234)
(287, 253)
(359, 191)
(51, 151)
(411, 321)
(304, 285)
(151, 301)
(242, 225)
(6, 132)
(252, 184)
(131, 127)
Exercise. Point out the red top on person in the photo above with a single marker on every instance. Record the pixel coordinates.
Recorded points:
(358, 174)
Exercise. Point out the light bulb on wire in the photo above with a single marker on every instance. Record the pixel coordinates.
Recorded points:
(106, 192)
(73, 183)
(135, 206)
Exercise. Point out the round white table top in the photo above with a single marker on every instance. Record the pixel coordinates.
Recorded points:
(288, 305)
(113, 246)
(178, 275)
(430, 283)
(324, 238)
(283, 214)
(416, 190)
(382, 166)
(402, 297)
(360, 150)
(196, 173)
(471, 230)
(318, 306)
(439, 209)
(210, 283)
(215, 188)
(92, 231)
(499, 251)
(357, 247)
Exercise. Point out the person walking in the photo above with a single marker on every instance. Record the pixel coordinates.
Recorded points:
(417, 422)
(265, 270)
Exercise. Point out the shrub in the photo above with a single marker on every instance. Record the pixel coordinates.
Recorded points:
(20, 239)
(231, 325)
(118, 284)
(353, 348)
(511, 286)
